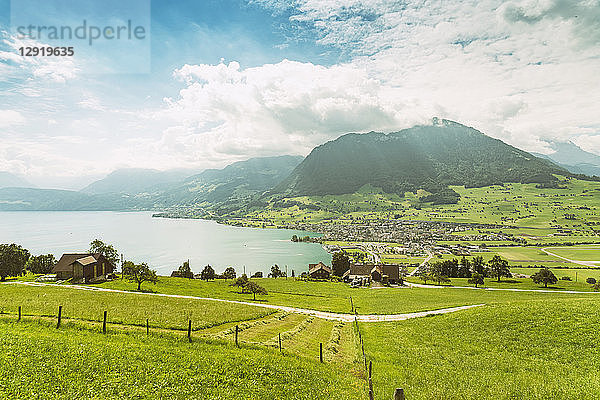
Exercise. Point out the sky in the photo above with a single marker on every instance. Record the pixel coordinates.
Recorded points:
(214, 82)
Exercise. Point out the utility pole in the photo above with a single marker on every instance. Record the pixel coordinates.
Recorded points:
(286, 272)
(244, 270)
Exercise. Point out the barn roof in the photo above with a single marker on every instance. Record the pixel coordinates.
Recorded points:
(67, 259)
(86, 260)
(315, 267)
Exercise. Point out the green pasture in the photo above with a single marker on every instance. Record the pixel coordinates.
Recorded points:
(542, 349)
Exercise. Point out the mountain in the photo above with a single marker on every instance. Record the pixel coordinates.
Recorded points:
(240, 181)
(153, 190)
(136, 180)
(10, 180)
(573, 158)
(28, 199)
(422, 157)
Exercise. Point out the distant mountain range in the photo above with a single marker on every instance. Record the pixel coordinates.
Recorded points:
(431, 157)
(10, 180)
(136, 180)
(422, 157)
(139, 189)
(573, 158)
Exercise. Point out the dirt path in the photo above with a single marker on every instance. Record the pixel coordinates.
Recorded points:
(585, 263)
(316, 313)
(420, 285)
(416, 270)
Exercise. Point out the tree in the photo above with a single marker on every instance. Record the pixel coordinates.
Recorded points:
(591, 280)
(255, 289)
(425, 275)
(139, 273)
(185, 271)
(275, 271)
(207, 273)
(340, 263)
(499, 267)
(294, 238)
(12, 260)
(464, 268)
(107, 250)
(241, 282)
(476, 279)
(478, 266)
(545, 276)
(229, 273)
(41, 264)
(439, 278)
(596, 287)
(258, 274)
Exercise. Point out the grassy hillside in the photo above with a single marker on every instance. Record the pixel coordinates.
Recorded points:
(335, 297)
(535, 350)
(42, 362)
(422, 157)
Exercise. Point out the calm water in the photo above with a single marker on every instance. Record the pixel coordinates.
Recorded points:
(163, 243)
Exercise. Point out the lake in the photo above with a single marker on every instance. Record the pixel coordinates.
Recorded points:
(162, 243)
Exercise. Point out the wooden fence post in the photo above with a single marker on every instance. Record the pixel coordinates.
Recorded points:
(104, 323)
(147, 327)
(371, 394)
(19, 313)
(399, 394)
(190, 330)
(59, 316)
(321, 352)
(237, 329)
(280, 342)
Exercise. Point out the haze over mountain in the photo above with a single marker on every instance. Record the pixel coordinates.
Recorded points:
(237, 182)
(573, 158)
(10, 180)
(422, 157)
(136, 180)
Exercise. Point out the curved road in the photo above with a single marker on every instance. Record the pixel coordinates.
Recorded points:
(315, 313)
(585, 263)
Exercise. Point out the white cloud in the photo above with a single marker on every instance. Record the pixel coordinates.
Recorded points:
(521, 70)
(290, 107)
(10, 118)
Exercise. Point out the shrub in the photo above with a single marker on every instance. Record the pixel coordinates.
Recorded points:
(591, 280)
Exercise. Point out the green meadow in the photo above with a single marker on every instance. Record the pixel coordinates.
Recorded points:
(39, 361)
(505, 349)
(543, 349)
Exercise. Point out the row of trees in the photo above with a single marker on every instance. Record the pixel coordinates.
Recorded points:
(16, 261)
(440, 271)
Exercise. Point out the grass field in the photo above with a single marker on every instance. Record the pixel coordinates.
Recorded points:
(131, 309)
(579, 253)
(39, 361)
(542, 349)
(507, 347)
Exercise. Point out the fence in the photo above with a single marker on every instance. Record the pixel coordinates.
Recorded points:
(368, 364)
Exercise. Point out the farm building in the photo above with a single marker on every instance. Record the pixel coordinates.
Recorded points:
(385, 273)
(86, 267)
(358, 271)
(319, 271)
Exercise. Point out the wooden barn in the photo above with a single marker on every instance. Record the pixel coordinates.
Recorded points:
(83, 267)
(319, 271)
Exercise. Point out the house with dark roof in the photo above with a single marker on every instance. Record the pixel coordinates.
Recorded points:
(385, 273)
(319, 271)
(83, 267)
(358, 271)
